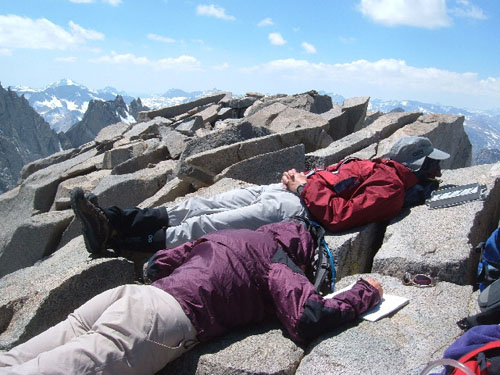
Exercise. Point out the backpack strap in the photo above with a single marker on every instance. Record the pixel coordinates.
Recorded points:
(482, 359)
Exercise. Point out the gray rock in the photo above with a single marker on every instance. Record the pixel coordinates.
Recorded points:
(224, 113)
(240, 103)
(36, 194)
(257, 350)
(215, 139)
(353, 250)
(190, 125)
(209, 114)
(169, 192)
(87, 182)
(279, 118)
(112, 133)
(38, 297)
(371, 116)
(151, 156)
(356, 112)
(148, 129)
(174, 141)
(34, 239)
(446, 133)
(309, 101)
(121, 154)
(36, 165)
(381, 128)
(337, 122)
(400, 344)
(266, 168)
(128, 190)
(176, 110)
(205, 165)
(440, 242)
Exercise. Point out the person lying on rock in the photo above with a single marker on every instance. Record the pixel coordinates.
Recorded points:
(200, 290)
(348, 194)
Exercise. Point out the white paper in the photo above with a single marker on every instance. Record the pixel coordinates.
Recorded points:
(387, 305)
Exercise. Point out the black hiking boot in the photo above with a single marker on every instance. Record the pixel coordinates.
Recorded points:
(95, 224)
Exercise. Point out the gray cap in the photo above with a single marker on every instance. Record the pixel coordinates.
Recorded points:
(411, 151)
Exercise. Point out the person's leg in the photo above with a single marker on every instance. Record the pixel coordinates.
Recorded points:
(197, 206)
(136, 222)
(139, 333)
(274, 204)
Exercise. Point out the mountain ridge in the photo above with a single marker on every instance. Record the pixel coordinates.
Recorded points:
(63, 112)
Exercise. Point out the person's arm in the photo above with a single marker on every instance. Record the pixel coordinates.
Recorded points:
(305, 314)
(376, 199)
(164, 262)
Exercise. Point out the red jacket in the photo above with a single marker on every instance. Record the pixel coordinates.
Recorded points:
(355, 192)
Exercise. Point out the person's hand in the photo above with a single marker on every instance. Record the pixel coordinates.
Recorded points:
(292, 180)
(376, 285)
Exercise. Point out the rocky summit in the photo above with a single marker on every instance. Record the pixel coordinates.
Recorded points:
(217, 143)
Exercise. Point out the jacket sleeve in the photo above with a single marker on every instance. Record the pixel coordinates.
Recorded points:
(380, 197)
(164, 262)
(304, 313)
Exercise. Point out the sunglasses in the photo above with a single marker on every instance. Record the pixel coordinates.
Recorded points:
(418, 280)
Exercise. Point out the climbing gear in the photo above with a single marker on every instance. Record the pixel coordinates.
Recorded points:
(456, 195)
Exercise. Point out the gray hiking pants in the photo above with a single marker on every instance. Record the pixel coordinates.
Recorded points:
(131, 329)
(248, 208)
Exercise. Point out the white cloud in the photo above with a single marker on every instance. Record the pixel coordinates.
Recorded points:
(67, 59)
(5, 52)
(82, 34)
(308, 48)
(24, 32)
(427, 14)
(110, 2)
(347, 39)
(160, 38)
(388, 78)
(266, 22)
(181, 63)
(223, 66)
(113, 2)
(276, 39)
(213, 11)
(467, 10)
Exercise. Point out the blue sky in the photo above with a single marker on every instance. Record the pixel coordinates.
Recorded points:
(436, 51)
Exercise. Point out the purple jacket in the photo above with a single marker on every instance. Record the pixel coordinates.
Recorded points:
(232, 278)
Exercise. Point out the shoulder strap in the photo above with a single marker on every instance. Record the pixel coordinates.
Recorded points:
(491, 345)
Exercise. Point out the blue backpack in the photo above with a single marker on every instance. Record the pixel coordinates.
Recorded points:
(488, 269)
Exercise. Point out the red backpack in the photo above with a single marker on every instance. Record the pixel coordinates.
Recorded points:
(484, 360)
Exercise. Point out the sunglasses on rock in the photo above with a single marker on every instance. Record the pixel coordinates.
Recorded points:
(418, 280)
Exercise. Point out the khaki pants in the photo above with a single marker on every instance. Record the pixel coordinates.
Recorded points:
(131, 329)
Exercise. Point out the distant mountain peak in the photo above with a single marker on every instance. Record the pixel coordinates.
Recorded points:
(64, 82)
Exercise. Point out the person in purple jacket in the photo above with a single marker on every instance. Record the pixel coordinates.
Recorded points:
(200, 290)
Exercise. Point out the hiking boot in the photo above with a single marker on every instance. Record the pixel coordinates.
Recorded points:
(95, 224)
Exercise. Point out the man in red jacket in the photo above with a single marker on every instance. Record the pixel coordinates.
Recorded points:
(200, 290)
(348, 194)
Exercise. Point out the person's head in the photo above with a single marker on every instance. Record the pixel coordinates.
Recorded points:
(418, 155)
